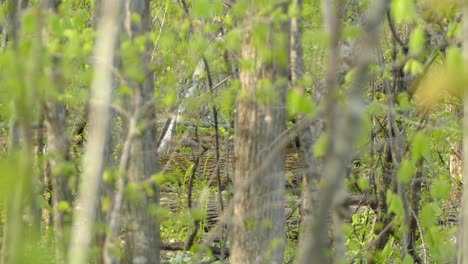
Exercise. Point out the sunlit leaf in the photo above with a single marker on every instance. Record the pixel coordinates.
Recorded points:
(417, 40)
(403, 10)
(300, 103)
(441, 189)
(420, 145)
(201, 8)
(394, 203)
(427, 216)
(408, 259)
(321, 146)
(406, 171)
(414, 67)
(363, 183)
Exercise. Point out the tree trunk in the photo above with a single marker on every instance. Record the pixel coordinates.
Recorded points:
(19, 197)
(57, 148)
(58, 153)
(258, 226)
(142, 233)
(343, 126)
(463, 231)
(99, 123)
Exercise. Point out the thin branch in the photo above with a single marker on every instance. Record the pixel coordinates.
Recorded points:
(395, 35)
(159, 36)
(423, 244)
(215, 117)
(196, 222)
(117, 202)
(216, 128)
(99, 116)
(371, 244)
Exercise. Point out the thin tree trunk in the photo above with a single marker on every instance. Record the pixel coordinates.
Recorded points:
(99, 123)
(309, 134)
(314, 167)
(107, 190)
(19, 198)
(57, 148)
(463, 231)
(258, 227)
(142, 233)
(344, 128)
(58, 153)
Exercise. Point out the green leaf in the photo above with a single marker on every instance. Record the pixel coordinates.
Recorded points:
(240, 8)
(403, 10)
(198, 213)
(106, 203)
(408, 259)
(414, 67)
(42, 202)
(417, 40)
(427, 216)
(420, 146)
(54, 25)
(321, 146)
(30, 23)
(441, 189)
(454, 60)
(160, 178)
(294, 10)
(134, 193)
(299, 103)
(363, 183)
(454, 30)
(375, 108)
(403, 102)
(64, 206)
(394, 203)
(201, 8)
(109, 176)
(406, 171)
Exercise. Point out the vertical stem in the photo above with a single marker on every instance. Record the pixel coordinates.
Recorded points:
(100, 115)
(463, 250)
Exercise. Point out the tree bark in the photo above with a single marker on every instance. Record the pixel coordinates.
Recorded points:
(99, 122)
(258, 227)
(58, 153)
(57, 148)
(19, 198)
(142, 234)
(463, 231)
(343, 121)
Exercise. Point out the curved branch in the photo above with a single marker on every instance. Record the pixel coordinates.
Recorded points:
(395, 35)
(215, 117)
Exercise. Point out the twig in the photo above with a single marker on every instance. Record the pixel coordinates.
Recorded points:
(421, 235)
(215, 117)
(196, 222)
(395, 35)
(371, 244)
(119, 194)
